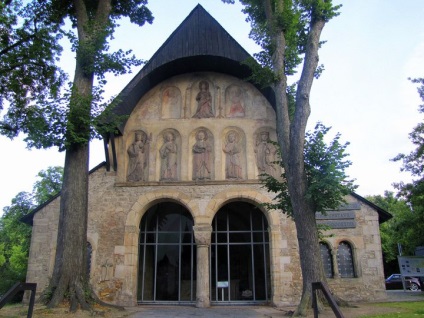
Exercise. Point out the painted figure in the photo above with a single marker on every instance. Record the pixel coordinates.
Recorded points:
(233, 168)
(202, 151)
(236, 108)
(266, 156)
(138, 153)
(169, 158)
(204, 102)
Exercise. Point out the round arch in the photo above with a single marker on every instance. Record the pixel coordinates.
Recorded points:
(241, 194)
(148, 200)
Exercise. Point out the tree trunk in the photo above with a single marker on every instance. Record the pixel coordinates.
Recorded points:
(309, 254)
(291, 138)
(69, 274)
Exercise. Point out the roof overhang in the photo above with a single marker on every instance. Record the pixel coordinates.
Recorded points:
(192, 64)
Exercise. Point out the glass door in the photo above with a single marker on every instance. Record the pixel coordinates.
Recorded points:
(240, 255)
(167, 255)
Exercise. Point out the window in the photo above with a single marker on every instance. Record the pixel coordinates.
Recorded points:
(345, 260)
(327, 260)
(89, 255)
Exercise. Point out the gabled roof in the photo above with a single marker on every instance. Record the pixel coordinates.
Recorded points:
(28, 219)
(199, 44)
(383, 215)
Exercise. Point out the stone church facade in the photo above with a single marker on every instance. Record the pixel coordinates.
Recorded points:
(176, 212)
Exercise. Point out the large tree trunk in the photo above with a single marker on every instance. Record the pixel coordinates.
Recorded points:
(291, 138)
(309, 254)
(69, 274)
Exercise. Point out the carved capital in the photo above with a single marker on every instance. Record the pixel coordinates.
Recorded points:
(202, 234)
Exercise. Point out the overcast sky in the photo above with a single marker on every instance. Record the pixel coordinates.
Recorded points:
(371, 50)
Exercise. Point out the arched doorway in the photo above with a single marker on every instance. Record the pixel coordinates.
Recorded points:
(240, 270)
(167, 255)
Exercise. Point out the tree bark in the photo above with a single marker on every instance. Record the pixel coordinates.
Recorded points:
(69, 274)
(291, 138)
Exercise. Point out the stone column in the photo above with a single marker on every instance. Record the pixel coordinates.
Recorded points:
(202, 235)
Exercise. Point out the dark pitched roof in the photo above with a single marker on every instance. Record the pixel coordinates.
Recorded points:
(28, 219)
(199, 44)
(383, 215)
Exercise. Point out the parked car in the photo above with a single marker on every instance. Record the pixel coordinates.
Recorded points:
(394, 281)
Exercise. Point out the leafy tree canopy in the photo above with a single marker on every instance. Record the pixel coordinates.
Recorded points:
(407, 227)
(29, 51)
(293, 18)
(403, 228)
(414, 161)
(325, 166)
(48, 184)
(31, 81)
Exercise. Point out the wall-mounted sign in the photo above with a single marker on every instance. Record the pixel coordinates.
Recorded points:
(339, 224)
(331, 215)
(343, 218)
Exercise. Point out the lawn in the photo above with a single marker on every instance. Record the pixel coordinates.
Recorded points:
(404, 310)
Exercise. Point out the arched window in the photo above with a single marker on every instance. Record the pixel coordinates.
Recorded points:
(327, 260)
(345, 260)
(89, 255)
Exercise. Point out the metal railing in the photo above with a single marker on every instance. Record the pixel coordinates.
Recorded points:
(330, 299)
(16, 289)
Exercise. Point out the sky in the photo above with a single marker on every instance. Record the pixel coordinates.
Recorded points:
(364, 94)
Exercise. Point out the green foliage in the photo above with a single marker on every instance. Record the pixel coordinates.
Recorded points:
(262, 76)
(414, 161)
(14, 241)
(325, 165)
(41, 107)
(29, 50)
(14, 235)
(48, 184)
(411, 234)
(293, 18)
(403, 228)
(322, 228)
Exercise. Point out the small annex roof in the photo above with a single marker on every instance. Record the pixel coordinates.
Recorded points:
(383, 215)
(28, 219)
(199, 44)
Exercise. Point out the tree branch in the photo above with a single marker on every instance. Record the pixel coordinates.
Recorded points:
(103, 11)
(14, 45)
(310, 64)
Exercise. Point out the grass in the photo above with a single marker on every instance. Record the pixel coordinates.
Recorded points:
(405, 310)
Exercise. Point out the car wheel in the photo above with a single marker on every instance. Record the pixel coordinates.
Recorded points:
(414, 287)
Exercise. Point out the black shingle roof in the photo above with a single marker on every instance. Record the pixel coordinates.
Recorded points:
(199, 44)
